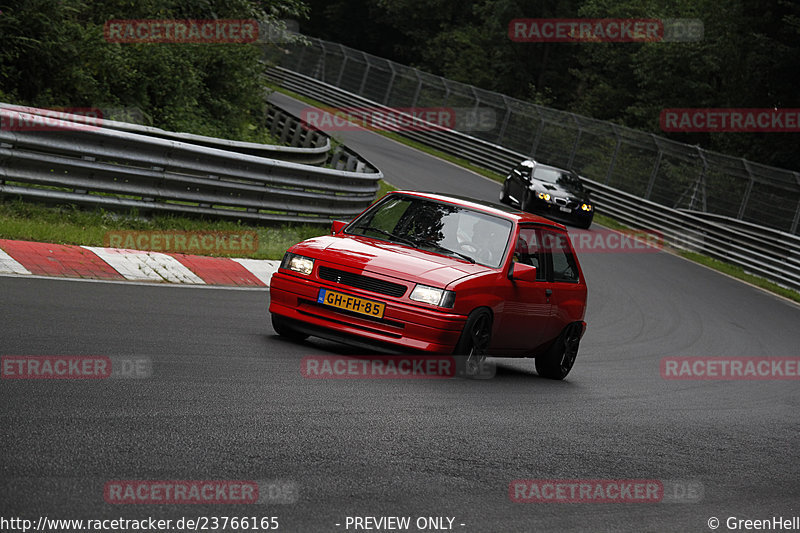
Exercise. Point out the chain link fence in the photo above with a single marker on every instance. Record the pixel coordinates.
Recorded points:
(673, 174)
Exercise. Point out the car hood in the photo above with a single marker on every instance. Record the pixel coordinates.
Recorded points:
(560, 189)
(388, 259)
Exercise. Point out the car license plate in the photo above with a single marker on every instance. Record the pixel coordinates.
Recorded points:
(351, 303)
(566, 209)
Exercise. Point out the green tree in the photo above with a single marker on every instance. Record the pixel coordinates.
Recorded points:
(55, 54)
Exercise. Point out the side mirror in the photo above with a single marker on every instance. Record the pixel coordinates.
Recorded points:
(337, 226)
(523, 272)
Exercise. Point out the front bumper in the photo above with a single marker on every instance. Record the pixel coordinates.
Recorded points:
(553, 211)
(403, 326)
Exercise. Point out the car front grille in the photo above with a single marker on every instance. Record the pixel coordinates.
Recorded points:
(566, 202)
(360, 281)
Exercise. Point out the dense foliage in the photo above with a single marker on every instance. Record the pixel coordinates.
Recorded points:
(748, 58)
(54, 54)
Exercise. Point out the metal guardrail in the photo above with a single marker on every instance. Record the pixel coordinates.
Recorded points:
(305, 146)
(120, 170)
(765, 252)
(655, 168)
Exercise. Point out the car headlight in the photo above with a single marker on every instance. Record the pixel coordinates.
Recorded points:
(544, 196)
(586, 207)
(298, 263)
(433, 296)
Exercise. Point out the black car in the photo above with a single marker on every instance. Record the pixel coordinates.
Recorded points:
(548, 191)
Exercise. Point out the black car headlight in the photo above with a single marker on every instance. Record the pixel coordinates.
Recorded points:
(298, 263)
(433, 296)
(586, 207)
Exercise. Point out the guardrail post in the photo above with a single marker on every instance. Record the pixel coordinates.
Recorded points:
(614, 156)
(300, 59)
(654, 173)
(745, 199)
(537, 138)
(419, 88)
(341, 70)
(795, 222)
(506, 118)
(575, 144)
(390, 84)
(748, 190)
(366, 73)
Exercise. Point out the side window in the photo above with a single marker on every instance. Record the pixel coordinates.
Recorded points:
(565, 269)
(528, 250)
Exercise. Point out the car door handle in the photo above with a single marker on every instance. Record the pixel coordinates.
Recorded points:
(548, 292)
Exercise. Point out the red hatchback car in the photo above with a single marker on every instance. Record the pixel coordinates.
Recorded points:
(438, 274)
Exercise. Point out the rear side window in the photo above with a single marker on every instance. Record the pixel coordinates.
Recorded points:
(565, 268)
(529, 251)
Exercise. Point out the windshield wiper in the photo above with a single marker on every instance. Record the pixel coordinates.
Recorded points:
(391, 235)
(417, 243)
(449, 251)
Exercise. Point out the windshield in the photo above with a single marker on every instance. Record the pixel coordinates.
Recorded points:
(552, 175)
(437, 227)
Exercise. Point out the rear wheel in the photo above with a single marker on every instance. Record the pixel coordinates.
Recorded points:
(559, 359)
(470, 352)
(284, 329)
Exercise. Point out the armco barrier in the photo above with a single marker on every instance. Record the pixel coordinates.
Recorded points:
(303, 145)
(766, 252)
(650, 166)
(120, 170)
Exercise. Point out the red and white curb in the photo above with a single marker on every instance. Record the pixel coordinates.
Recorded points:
(90, 262)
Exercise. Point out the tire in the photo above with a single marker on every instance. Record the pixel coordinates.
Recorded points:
(472, 347)
(560, 357)
(504, 199)
(282, 328)
(584, 225)
(524, 203)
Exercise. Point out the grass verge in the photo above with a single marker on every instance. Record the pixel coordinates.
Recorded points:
(69, 225)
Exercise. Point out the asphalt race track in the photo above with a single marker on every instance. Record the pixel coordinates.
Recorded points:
(226, 401)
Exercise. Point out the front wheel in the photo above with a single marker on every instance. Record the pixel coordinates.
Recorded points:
(504, 199)
(560, 357)
(473, 345)
(525, 202)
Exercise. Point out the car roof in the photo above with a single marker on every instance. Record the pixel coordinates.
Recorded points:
(534, 164)
(484, 206)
